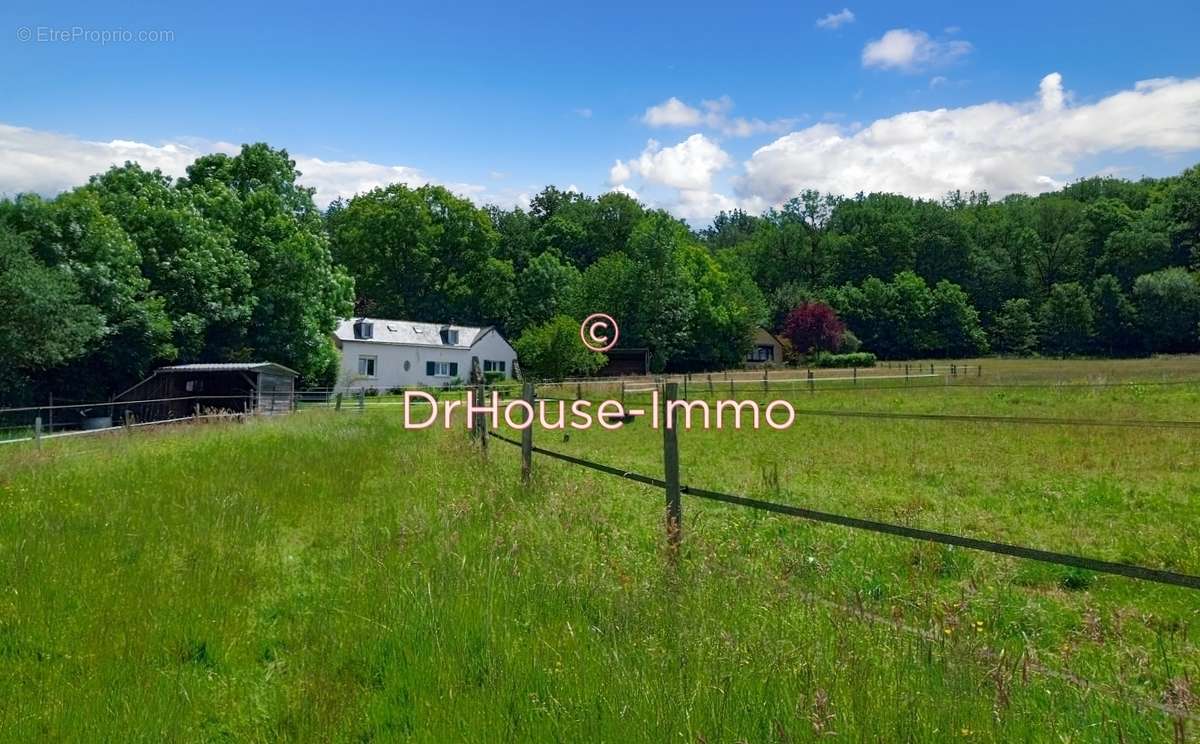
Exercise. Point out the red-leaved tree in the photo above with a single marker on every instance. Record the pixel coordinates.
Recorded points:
(814, 326)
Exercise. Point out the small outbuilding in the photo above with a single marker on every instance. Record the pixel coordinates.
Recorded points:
(182, 390)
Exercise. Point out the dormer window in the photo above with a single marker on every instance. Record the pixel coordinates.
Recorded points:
(450, 336)
(363, 329)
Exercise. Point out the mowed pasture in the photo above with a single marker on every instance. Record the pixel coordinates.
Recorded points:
(333, 577)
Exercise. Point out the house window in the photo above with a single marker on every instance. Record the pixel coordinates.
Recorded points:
(764, 353)
(363, 329)
(450, 336)
(441, 369)
(366, 366)
(490, 365)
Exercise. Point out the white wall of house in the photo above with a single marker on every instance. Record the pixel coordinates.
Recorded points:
(402, 365)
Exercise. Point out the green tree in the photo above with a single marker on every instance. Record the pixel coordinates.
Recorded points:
(1168, 307)
(45, 323)
(554, 351)
(1015, 330)
(299, 292)
(548, 287)
(955, 328)
(1067, 322)
(1115, 317)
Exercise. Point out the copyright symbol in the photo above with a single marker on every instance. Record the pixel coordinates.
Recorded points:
(24, 33)
(593, 332)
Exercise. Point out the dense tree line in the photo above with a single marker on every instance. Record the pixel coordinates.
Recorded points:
(233, 261)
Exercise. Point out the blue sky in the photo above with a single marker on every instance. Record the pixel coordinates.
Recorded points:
(498, 100)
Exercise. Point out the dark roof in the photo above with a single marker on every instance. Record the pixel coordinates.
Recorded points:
(230, 367)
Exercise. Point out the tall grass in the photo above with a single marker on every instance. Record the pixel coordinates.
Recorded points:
(334, 577)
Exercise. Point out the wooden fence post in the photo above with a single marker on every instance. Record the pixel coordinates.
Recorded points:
(362, 400)
(854, 372)
(765, 371)
(812, 386)
(337, 402)
(622, 393)
(128, 421)
(710, 385)
(50, 414)
(483, 424)
(527, 433)
(37, 430)
(685, 381)
(671, 472)
(578, 390)
(979, 370)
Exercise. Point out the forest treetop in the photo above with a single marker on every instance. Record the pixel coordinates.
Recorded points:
(234, 261)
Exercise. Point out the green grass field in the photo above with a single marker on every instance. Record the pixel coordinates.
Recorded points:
(333, 577)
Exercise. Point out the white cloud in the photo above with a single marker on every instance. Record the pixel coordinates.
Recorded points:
(691, 164)
(713, 114)
(1029, 146)
(836, 20)
(48, 162)
(908, 50)
(626, 191)
(583, 113)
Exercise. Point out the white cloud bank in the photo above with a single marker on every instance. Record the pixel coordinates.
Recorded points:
(48, 162)
(999, 147)
(910, 51)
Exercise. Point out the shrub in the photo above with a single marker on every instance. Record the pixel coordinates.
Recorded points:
(857, 359)
(814, 326)
(850, 343)
(493, 377)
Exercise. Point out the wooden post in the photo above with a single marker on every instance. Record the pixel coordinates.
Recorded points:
(854, 372)
(527, 434)
(578, 390)
(765, 371)
(671, 472)
(731, 392)
(685, 381)
(362, 400)
(50, 413)
(812, 386)
(710, 386)
(337, 402)
(979, 370)
(622, 393)
(483, 424)
(128, 421)
(37, 430)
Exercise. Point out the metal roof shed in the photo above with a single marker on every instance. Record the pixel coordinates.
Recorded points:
(181, 390)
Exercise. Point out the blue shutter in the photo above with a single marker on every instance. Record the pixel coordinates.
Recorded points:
(429, 369)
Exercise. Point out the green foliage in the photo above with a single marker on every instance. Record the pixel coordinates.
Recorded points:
(1168, 304)
(1015, 330)
(1067, 320)
(555, 351)
(1115, 317)
(45, 323)
(853, 359)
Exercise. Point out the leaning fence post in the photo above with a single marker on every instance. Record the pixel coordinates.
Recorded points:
(671, 472)
(37, 430)
(527, 433)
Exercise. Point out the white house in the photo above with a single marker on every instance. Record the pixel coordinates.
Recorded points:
(384, 354)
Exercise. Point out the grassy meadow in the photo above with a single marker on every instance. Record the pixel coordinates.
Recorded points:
(333, 577)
